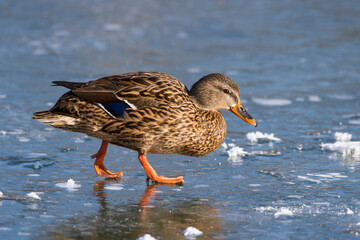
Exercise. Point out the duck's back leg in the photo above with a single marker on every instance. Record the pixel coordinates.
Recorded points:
(99, 166)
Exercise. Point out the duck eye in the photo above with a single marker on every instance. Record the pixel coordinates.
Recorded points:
(226, 91)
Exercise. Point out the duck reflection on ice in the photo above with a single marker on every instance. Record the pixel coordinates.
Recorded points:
(164, 217)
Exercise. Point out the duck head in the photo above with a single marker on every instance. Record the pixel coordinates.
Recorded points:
(217, 91)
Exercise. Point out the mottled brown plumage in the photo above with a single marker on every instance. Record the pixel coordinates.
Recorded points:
(161, 115)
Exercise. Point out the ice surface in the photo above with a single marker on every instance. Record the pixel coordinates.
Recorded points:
(146, 237)
(355, 122)
(2, 96)
(70, 185)
(310, 179)
(224, 145)
(314, 98)
(257, 136)
(235, 153)
(114, 187)
(23, 139)
(283, 211)
(344, 145)
(193, 70)
(349, 211)
(113, 27)
(33, 195)
(192, 232)
(343, 137)
(272, 101)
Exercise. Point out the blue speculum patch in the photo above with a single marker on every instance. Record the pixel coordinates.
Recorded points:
(117, 109)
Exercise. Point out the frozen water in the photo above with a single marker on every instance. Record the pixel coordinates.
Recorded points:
(33, 195)
(344, 145)
(1, 194)
(115, 187)
(192, 232)
(146, 237)
(283, 212)
(272, 101)
(70, 185)
(235, 153)
(285, 56)
(259, 136)
(343, 137)
(314, 98)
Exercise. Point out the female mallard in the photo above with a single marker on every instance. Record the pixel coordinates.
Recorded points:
(149, 112)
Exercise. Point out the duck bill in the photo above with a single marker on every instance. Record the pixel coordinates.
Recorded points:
(240, 111)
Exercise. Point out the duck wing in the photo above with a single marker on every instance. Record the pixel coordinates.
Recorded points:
(138, 90)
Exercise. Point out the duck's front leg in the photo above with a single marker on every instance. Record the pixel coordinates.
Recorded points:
(99, 165)
(151, 173)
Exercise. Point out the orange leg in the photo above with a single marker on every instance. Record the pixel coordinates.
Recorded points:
(99, 166)
(151, 173)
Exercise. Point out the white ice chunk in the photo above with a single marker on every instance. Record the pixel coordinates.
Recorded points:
(2, 96)
(345, 148)
(343, 137)
(272, 101)
(70, 185)
(265, 209)
(115, 187)
(309, 179)
(33, 195)
(283, 212)
(1, 194)
(192, 232)
(146, 237)
(235, 153)
(224, 145)
(344, 145)
(23, 139)
(257, 136)
(314, 98)
(349, 211)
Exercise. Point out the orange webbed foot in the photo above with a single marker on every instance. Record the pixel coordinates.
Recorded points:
(99, 166)
(169, 180)
(151, 173)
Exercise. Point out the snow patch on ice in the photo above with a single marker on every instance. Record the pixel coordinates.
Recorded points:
(23, 139)
(115, 187)
(259, 136)
(349, 211)
(70, 185)
(235, 153)
(272, 101)
(265, 209)
(314, 98)
(344, 145)
(192, 232)
(283, 211)
(146, 237)
(310, 179)
(33, 195)
(343, 137)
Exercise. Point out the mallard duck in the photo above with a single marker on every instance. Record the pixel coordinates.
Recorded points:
(149, 112)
